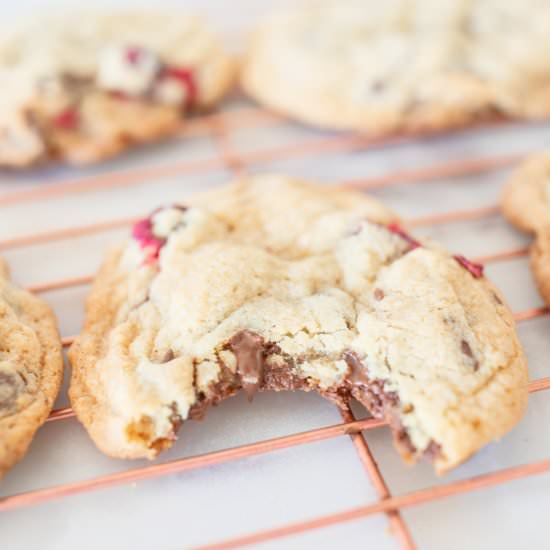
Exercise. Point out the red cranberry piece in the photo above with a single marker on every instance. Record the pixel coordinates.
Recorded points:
(66, 120)
(133, 54)
(396, 229)
(475, 269)
(117, 94)
(143, 233)
(186, 79)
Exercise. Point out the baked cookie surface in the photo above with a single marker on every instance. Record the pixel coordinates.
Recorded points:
(88, 86)
(526, 203)
(402, 65)
(277, 284)
(31, 368)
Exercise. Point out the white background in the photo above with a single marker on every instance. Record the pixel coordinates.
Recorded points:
(184, 510)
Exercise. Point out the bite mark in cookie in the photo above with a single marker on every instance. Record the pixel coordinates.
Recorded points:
(238, 292)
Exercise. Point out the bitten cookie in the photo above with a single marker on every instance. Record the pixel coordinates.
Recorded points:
(31, 368)
(526, 203)
(86, 87)
(276, 284)
(403, 65)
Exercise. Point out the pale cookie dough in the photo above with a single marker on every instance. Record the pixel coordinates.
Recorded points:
(31, 368)
(85, 87)
(277, 284)
(526, 203)
(403, 65)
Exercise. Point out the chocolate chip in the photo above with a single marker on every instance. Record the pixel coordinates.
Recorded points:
(467, 350)
(9, 390)
(168, 356)
(248, 347)
(378, 86)
(371, 393)
(497, 299)
(378, 294)
(433, 451)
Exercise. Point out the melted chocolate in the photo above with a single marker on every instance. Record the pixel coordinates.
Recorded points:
(249, 349)
(255, 373)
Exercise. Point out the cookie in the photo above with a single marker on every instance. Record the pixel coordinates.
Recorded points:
(85, 87)
(402, 65)
(526, 203)
(277, 284)
(31, 368)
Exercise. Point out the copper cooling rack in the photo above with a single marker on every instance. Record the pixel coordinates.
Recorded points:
(220, 127)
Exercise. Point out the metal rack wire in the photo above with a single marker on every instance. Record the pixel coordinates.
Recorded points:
(220, 127)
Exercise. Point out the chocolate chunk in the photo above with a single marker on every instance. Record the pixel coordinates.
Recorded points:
(168, 356)
(370, 392)
(378, 294)
(433, 451)
(467, 350)
(9, 390)
(249, 348)
(280, 378)
(357, 375)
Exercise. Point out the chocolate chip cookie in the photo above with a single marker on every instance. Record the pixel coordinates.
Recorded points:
(277, 284)
(31, 368)
(526, 203)
(86, 87)
(402, 65)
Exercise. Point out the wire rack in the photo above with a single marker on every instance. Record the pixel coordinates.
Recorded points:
(221, 127)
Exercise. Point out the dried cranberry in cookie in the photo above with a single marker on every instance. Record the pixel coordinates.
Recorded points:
(176, 86)
(68, 119)
(151, 233)
(133, 71)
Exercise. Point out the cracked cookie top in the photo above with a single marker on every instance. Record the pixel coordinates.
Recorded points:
(84, 86)
(402, 65)
(273, 283)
